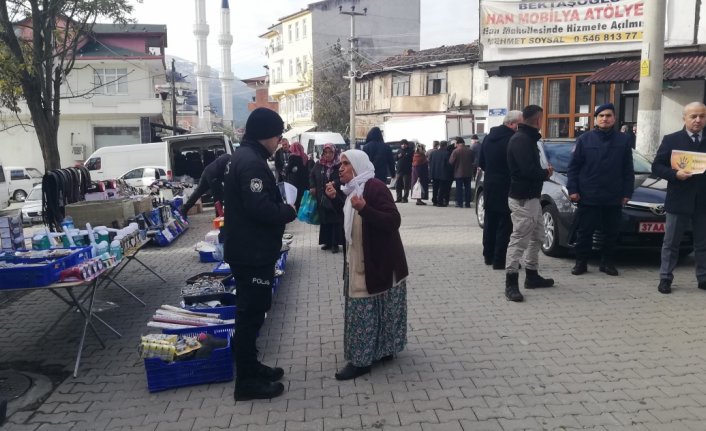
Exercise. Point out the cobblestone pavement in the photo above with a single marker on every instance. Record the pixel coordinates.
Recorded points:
(596, 352)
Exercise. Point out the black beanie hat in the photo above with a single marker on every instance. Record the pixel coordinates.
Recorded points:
(263, 123)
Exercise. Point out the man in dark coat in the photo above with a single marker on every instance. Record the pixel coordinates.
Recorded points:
(686, 196)
(380, 154)
(281, 158)
(211, 179)
(600, 179)
(526, 178)
(440, 172)
(254, 223)
(404, 171)
(497, 225)
(463, 161)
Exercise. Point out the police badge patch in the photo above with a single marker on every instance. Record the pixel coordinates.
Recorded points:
(256, 185)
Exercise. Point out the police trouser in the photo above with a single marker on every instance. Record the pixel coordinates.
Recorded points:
(199, 191)
(253, 299)
(588, 218)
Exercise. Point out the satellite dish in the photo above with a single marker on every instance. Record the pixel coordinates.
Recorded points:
(452, 100)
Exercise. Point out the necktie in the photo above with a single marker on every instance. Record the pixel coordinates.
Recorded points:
(695, 137)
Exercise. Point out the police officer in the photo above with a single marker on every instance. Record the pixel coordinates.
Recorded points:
(255, 217)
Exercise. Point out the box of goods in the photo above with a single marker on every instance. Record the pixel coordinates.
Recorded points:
(142, 204)
(224, 330)
(196, 209)
(101, 213)
(39, 268)
(162, 375)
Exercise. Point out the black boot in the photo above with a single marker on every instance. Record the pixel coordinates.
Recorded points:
(350, 371)
(535, 281)
(608, 268)
(581, 267)
(271, 374)
(257, 389)
(512, 287)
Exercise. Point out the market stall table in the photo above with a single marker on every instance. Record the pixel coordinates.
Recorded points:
(74, 302)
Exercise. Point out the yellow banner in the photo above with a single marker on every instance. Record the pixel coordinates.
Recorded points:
(507, 24)
(689, 161)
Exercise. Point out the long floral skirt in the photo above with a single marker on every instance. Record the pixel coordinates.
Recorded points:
(375, 326)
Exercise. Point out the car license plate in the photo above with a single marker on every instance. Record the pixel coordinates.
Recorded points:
(651, 227)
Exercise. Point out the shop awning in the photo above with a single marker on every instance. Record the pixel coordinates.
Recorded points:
(294, 131)
(677, 67)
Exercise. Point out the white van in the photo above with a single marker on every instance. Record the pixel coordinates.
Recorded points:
(314, 142)
(4, 189)
(20, 181)
(181, 155)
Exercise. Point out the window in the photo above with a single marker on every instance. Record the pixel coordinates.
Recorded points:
(291, 68)
(133, 174)
(568, 103)
(296, 30)
(299, 66)
(149, 173)
(304, 29)
(289, 32)
(436, 82)
(362, 90)
(2, 174)
(400, 85)
(486, 80)
(110, 81)
(93, 164)
(18, 174)
(305, 65)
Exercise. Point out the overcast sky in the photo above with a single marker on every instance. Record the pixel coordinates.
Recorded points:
(443, 22)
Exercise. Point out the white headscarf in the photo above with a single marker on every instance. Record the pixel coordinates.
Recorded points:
(364, 170)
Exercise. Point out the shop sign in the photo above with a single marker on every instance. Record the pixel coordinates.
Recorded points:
(497, 112)
(515, 24)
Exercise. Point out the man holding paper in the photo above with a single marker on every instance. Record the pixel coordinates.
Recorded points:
(686, 195)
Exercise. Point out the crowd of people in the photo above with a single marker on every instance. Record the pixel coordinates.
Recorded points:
(358, 213)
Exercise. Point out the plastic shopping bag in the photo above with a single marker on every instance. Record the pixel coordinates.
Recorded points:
(308, 213)
(417, 190)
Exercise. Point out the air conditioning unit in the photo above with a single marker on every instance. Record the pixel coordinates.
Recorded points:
(78, 151)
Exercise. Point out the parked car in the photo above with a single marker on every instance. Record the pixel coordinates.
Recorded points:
(32, 208)
(20, 181)
(143, 176)
(643, 219)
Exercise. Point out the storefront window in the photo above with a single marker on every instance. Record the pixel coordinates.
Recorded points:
(536, 90)
(559, 96)
(518, 94)
(602, 94)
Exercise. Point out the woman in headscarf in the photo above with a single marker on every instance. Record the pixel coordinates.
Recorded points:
(375, 267)
(296, 170)
(326, 171)
(420, 172)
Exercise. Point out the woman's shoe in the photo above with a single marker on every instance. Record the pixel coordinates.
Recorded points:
(420, 202)
(350, 371)
(325, 247)
(334, 249)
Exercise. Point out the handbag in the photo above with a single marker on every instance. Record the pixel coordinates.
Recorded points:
(308, 212)
(417, 190)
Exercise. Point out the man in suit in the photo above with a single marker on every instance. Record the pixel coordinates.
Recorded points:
(497, 226)
(686, 196)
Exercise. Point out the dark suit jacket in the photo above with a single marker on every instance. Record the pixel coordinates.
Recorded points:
(683, 197)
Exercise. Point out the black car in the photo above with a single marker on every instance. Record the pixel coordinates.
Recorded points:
(643, 217)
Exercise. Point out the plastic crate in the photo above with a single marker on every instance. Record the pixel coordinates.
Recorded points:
(222, 331)
(207, 257)
(166, 375)
(41, 275)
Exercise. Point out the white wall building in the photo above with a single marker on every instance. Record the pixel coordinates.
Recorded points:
(114, 80)
(299, 45)
(574, 56)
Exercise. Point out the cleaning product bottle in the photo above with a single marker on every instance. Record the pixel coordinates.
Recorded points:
(116, 250)
(92, 239)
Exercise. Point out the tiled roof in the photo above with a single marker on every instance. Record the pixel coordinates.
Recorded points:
(98, 49)
(129, 28)
(464, 53)
(676, 67)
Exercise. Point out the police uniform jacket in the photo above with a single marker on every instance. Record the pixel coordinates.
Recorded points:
(601, 168)
(683, 197)
(255, 213)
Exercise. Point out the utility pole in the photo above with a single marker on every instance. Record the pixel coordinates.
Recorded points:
(651, 76)
(352, 72)
(174, 123)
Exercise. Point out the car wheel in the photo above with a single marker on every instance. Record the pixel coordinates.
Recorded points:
(480, 208)
(19, 195)
(550, 220)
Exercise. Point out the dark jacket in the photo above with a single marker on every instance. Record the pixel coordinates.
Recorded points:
(526, 173)
(297, 173)
(318, 180)
(493, 161)
(383, 252)
(380, 154)
(281, 157)
(214, 173)
(255, 213)
(439, 167)
(601, 169)
(683, 197)
(404, 161)
(463, 161)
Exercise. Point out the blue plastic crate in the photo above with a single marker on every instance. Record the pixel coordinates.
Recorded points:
(222, 331)
(40, 275)
(207, 257)
(166, 375)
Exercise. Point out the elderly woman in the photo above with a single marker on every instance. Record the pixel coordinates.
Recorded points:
(324, 172)
(297, 171)
(375, 267)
